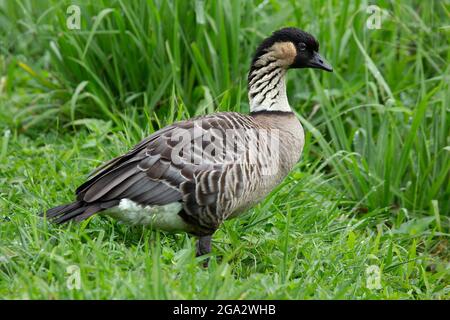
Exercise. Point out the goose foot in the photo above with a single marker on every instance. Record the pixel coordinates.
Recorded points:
(203, 247)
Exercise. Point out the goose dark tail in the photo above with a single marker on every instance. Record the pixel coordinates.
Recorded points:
(78, 211)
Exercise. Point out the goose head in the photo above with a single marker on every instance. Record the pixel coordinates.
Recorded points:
(293, 48)
(287, 48)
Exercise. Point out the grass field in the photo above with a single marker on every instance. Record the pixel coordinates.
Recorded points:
(364, 215)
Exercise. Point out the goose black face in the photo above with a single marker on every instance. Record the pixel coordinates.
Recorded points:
(306, 46)
(308, 55)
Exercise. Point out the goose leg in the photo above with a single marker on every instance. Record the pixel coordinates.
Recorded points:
(203, 247)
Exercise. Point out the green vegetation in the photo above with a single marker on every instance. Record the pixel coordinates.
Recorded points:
(371, 192)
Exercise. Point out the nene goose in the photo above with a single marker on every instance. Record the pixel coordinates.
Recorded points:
(192, 175)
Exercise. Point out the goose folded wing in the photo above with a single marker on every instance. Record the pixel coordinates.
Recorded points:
(154, 171)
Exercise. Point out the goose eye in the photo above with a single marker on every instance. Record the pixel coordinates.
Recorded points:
(302, 46)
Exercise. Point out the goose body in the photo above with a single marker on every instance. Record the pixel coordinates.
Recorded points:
(194, 174)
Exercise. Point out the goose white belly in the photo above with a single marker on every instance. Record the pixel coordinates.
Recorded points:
(163, 217)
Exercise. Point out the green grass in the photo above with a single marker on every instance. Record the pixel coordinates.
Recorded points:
(372, 188)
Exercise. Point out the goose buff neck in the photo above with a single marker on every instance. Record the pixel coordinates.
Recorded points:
(267, 78)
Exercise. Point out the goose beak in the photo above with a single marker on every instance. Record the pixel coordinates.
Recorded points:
(319, 63)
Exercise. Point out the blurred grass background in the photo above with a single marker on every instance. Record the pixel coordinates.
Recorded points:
(372, 187)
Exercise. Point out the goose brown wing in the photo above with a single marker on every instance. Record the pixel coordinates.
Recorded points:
(169, 166)
(145, 174)
(176, 164)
